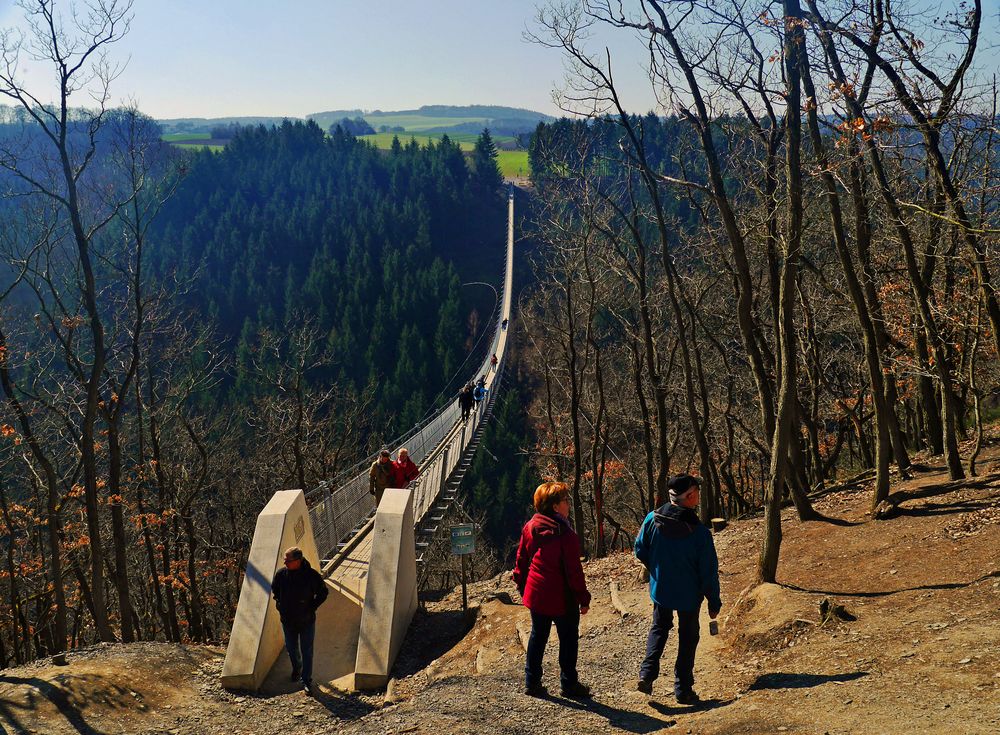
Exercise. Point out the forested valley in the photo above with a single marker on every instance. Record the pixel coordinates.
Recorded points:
(183, 333)
(783, 285)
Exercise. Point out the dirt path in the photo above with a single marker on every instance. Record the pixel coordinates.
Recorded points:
(922, 656)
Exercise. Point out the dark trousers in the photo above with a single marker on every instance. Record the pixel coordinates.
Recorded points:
(568, 629)
(300, 637)
(466, 410)
(687, 644)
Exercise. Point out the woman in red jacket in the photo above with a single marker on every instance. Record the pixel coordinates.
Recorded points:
(549, 576)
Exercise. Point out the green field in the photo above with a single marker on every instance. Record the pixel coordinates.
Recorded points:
(416, 123)
(513, 164)
(215, 148)
(181, 137)
(384, 140)
(412, 123)
(466, 141)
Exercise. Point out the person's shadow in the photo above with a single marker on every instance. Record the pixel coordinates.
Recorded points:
(622, 719)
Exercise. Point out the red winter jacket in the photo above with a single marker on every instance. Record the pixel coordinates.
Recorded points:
(404, 472)
(548, 573)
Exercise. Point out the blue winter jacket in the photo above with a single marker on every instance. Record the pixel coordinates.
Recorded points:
(679, 553)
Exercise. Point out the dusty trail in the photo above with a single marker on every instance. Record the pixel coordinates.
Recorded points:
(923, 655)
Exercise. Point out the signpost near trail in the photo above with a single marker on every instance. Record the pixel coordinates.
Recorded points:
(463, 543)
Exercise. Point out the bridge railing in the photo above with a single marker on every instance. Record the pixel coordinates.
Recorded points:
(435, 473)
(337, 507)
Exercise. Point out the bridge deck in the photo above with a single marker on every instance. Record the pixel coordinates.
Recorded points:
(352, 569)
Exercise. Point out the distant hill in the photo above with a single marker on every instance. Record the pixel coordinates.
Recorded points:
(443, 119)
(427, 119)
(176, 125)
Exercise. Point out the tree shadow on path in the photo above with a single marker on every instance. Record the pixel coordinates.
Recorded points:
(686, 709)
(885, 593)
(781, 680)
(69, 694)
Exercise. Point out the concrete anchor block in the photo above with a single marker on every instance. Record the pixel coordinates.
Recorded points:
(391, 593)
(256, 640)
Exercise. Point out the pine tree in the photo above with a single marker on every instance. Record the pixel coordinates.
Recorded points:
(484, 161)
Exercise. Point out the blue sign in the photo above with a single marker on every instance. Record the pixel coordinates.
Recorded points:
(463, 538)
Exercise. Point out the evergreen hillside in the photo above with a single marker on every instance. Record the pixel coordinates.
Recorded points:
(288, 223)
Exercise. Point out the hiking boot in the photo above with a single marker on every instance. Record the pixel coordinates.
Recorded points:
(309, 689)
(646, 687)
(536, 690)
(295, 674)
(576, 690)
(687, 697)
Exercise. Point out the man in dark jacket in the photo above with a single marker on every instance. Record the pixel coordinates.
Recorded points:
(683, 569)
(466, 401)
(298, 590)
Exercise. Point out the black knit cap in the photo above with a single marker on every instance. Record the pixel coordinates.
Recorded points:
(678, 485)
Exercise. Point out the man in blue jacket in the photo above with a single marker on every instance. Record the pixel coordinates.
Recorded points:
(683, 569)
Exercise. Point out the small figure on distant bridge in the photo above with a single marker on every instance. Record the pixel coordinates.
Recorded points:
(466, 401)
(479, 392)
(403, 469)
(683, 569)
(493, 362)
(298, 591)
(380, 476)
(549, 576)
(503, 325)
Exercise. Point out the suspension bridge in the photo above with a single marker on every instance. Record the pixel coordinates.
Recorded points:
(368, 556)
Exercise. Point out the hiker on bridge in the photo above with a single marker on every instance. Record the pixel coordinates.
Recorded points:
(479, 392)
(683, 569)
(549, 576)
(466, 401)
(380, 476)
(493, 362)
(298, 591)
(404, 471)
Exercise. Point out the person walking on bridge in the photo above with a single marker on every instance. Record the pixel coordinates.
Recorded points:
(380, 476)
(404, 471)
(466, 401)
(683, 569)
(479, 392)
(549, 576)
(298, 591)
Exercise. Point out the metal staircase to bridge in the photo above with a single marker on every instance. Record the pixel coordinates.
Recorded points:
(368, 556)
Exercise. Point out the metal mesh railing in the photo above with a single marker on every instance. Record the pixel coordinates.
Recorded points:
(339, 506)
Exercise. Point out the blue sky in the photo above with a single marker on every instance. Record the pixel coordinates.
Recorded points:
(213, 58)
(216, 58)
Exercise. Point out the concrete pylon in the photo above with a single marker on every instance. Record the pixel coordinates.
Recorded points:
(391, 594)
(256, 640)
